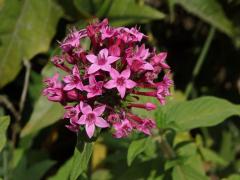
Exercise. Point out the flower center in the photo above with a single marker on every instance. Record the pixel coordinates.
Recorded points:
(72, 112)
(75, 79)
(121, 81)
(101, 61)
(91, 117)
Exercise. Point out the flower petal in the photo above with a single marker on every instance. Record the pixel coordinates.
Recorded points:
(130, 84)
(85, 108)
(69, 86)
(110, 84)
(79, 86)
(75, 71)
(104, 53)
(100, 122)
(99, 110)
(121, 90)
(112, 59)
(92, 58)
(147, 66)
(90, 128)
(93, 68)
(126, 73)
(82, 119)
(67, 79)
(106, 67)
(92, 80)
(114, 73)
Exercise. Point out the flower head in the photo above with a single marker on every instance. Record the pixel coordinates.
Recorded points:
(102, 82)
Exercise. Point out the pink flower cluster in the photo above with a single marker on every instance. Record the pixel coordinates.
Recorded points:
(99, 81)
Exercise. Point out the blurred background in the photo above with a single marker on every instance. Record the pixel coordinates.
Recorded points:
(202, 38)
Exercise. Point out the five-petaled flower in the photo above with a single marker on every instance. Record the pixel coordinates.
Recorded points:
(103, 61)
(120, 81)
(91, 118)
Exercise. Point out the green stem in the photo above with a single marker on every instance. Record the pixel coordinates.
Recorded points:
(5, 164)
(200, 61)
(166, 148)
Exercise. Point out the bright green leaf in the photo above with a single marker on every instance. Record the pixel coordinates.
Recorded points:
(27, 28)
(4, 123)
(185, 172)
(135, 148)
(81, 160)
(76, 165)
(201, 112)
(123, 12)
(211, 12)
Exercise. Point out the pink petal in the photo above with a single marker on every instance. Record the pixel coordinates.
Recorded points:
(104, 52)
(110, 84)
(90, 95)
(92, 58)
(69, 87)
(93, 68)
(112, 59)
(99, 110)
(126, 73)
(100, 122)
(121, 90)
(147, 66)
(130, 84)
(82, 119)
(75, 71)
(92, 80)
(67, 79)
(85, 108)
(114, 73)
(90, 128)
(79, 86)
(106, 67)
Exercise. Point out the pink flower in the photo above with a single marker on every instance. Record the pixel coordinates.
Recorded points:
(107, 32)
(94, 88)
(54, 94)
(91, 118)
(160, 60)
(100, 62)
(120, 81)
(72, 113)
(122, 129)
(52, 82)
(162, 92)
(136, 60)
(73, 81)
(146, 126)
(73, 40)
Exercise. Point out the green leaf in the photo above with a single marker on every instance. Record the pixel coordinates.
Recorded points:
(135, 148)
(211, 12)
(201, 112)
(84, 7)
(233, 177)
(81, 160)
(27, 28)
(36, 171)
(44, 113)
(4, 123)
(213, 157)
(185, 172)
(123, 12)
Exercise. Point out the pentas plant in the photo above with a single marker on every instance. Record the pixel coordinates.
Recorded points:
(104, 82)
